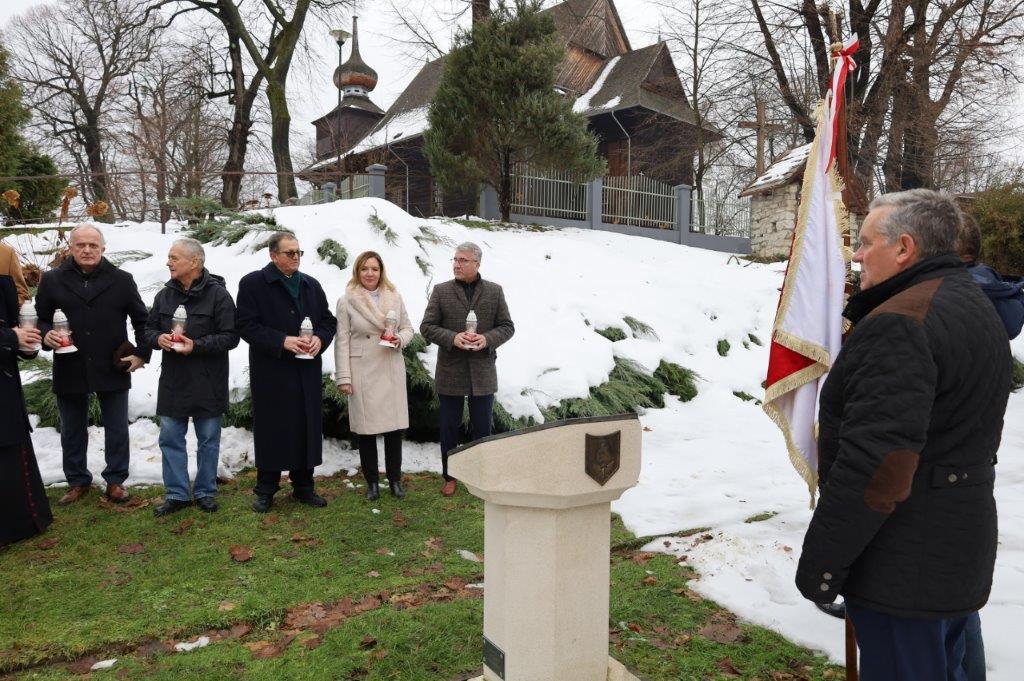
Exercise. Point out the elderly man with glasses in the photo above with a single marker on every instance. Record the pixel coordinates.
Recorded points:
(285, 373)
(193, 373)
(468, 319)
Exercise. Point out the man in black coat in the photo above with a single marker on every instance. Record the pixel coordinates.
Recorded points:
(193, 373)
(911, 416)
(96, 297)
(287, 391)
(24, 508)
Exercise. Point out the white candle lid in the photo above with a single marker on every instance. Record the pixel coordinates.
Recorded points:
(179, 312)
(471, 317)
(306, 324)
(59, 316)
(392, 315)
(28, 309)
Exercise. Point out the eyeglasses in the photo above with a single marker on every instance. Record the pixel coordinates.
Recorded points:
(463, 261)
(292, 254)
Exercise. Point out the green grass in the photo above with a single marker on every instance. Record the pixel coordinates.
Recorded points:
(407, 616)
(1017, 380)
(723, 347)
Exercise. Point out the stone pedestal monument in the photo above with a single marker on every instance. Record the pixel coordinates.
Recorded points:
(547, 534)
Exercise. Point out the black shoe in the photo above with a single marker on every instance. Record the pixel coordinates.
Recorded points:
(372, 491)
(208, 504)
(310, 499)
(837, 610)
(170, 506)
(263, 503)
(396, 489)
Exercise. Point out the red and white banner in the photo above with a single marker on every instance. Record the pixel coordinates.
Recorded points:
(809, 324)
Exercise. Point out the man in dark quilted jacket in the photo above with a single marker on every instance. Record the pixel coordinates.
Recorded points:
(910, 420)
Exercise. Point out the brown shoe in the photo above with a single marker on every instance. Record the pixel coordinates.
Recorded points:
(73, 495)
(117, 493)
(449, 488)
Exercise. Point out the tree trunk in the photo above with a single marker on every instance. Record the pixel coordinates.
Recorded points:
(505, 190)
(481, 10)
(280, 127)
(921, 136)
(241, 124)
(97, 168)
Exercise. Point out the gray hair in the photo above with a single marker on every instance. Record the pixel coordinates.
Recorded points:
(930, 218)
(470, 247)
(85, 225)
(274, 242)
(193, 249)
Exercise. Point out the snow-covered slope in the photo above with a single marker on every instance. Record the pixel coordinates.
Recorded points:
(712, 462)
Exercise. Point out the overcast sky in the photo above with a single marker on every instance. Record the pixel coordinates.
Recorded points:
(311, 93)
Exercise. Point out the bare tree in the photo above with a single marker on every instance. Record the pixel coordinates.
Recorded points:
(713, 76)
(74, 60)
(268, 32)
(170, 128)
(916, 58)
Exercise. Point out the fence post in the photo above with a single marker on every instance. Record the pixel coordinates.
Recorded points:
(595, 203)
(683, 197)
(328, 192)
(488, 204)
(376, 173)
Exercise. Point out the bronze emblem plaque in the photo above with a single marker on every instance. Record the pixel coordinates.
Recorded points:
(602, 456)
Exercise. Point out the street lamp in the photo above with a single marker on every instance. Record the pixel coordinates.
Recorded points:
(340, 36)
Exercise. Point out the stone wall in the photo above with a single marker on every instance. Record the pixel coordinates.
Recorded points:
(772, 218)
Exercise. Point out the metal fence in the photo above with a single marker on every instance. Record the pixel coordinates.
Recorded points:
(710, 214)
(639, 201)
(550, 195)
(352, 187)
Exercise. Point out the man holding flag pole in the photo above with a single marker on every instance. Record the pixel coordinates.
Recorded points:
(898, 429)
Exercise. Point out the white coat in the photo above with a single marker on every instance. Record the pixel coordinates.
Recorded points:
(378, 403)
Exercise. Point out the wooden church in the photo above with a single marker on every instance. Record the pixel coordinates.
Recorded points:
(633, 99)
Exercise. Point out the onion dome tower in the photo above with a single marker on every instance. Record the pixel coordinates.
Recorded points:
(355, 78)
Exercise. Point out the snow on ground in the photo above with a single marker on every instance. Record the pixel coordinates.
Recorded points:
(712, 462)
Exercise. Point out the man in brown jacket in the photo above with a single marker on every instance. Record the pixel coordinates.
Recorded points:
(11, 266)
(466, 348)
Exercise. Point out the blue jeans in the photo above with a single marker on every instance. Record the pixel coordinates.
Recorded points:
(74, 436)
(974, 655)
(896, 648)
(172, 445)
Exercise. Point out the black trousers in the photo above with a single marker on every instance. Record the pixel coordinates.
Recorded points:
(480, 420)
(74, 436)
(268, 482)
(392, 456)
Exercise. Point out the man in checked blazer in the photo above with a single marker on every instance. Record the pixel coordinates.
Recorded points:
(465, 359)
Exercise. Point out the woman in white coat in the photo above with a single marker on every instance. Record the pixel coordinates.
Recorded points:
(372, 374)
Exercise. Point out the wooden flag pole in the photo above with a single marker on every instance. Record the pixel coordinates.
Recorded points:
(850, 197)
